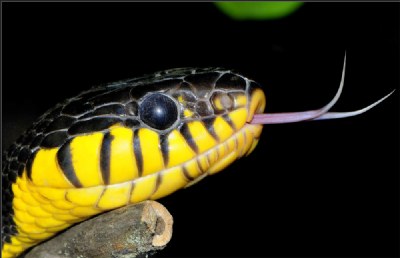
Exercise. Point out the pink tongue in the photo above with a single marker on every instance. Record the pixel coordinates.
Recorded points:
(312, 115)
(283, 118)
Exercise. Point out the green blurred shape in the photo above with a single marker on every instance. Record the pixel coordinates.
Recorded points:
(258, 10)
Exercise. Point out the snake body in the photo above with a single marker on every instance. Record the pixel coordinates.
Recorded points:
(122, 143)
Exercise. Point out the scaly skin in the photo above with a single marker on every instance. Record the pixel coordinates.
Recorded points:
(95, 153)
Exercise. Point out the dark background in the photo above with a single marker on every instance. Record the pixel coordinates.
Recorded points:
(324, 189)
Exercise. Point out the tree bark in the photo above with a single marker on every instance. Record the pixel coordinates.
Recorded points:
(132, 231)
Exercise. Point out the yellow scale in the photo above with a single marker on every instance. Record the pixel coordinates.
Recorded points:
(49, 202)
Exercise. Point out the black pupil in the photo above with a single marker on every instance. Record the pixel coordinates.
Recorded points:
(158, 111)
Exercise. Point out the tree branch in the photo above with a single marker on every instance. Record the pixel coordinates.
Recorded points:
(131, 231)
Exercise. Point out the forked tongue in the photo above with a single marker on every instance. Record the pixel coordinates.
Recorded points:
(312, 115)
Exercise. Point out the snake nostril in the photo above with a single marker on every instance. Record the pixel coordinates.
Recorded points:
(226, 101)
(222, 102)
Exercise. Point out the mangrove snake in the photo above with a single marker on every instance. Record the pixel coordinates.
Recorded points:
(130, 141)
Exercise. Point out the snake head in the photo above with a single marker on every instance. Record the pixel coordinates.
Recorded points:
(123, 143)
(159, 132)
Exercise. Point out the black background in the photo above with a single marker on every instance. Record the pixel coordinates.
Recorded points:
(326, 188)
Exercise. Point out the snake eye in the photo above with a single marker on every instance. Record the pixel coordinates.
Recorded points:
(158, 111)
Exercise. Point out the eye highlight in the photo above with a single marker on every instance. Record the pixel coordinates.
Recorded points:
(158, 111)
